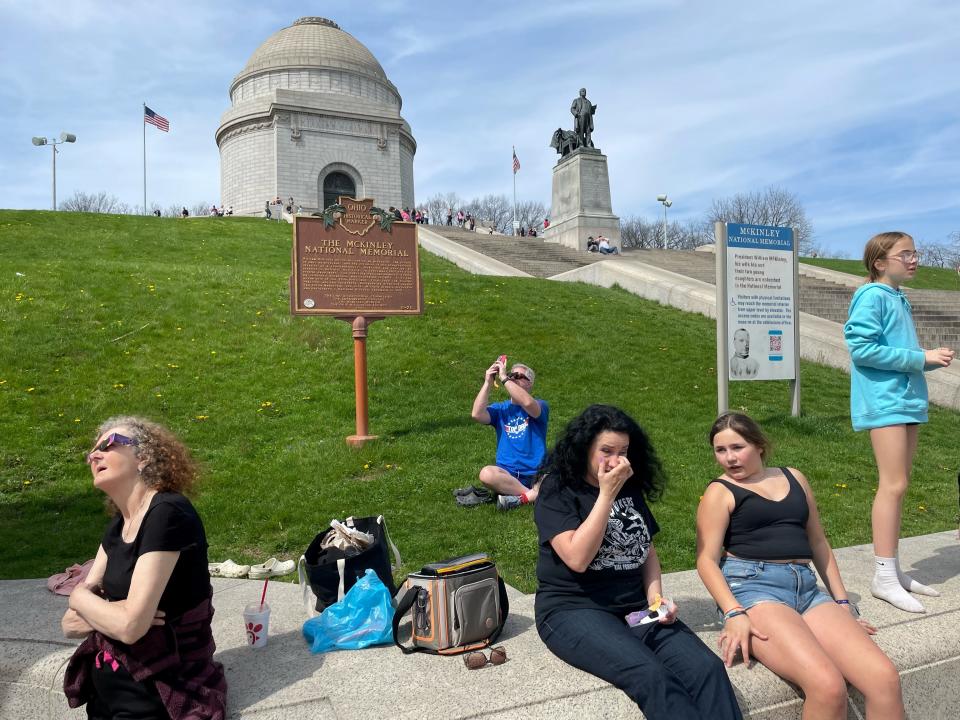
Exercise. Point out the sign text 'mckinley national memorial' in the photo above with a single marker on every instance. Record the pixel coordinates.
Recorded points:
(355, 260)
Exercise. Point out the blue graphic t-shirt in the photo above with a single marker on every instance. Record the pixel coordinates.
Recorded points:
(521, 439)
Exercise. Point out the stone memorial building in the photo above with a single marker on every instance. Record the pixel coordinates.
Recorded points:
(313, 116)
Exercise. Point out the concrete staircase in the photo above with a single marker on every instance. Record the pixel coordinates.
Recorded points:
(531, 255)
(935, 312)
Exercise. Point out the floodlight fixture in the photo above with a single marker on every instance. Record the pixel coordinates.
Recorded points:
(65, 137)
(666, 202)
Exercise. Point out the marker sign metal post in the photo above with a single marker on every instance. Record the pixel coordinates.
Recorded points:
(356, 263)
(758, 330)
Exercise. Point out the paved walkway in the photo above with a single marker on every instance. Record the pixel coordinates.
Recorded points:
(285, 681)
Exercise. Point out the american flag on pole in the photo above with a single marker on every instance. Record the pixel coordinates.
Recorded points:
(516, 162)
(158, 121)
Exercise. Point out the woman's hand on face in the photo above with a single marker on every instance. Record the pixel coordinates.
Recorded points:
(735, 638)
(613, 479)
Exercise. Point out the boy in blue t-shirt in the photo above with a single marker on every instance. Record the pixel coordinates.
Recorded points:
(521, 426)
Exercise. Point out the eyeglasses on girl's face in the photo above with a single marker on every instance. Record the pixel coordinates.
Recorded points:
(476, 660)
(906, 257)
(108, 443)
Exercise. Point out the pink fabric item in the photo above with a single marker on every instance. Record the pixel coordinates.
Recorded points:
(64, 583)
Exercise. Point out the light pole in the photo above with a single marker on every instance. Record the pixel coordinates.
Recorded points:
(64, 137)
(666, 202)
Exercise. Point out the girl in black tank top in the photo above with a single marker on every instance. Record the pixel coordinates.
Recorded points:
(754, 541)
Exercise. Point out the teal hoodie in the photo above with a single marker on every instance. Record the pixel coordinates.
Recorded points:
(887, 386)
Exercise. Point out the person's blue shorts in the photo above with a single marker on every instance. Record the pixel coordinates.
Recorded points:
(528, 481)
(790, 584)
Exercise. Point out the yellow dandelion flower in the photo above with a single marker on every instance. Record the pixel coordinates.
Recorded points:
(27, 482)
(200, 417)
(76, 420)
(922, 508)
(213, 352)
(118, 385)
(30, 389)
(171, 365)
(366, 466)
(266, 404)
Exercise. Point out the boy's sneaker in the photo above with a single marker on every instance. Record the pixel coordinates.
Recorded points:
(508, 502)
(478, 490)
(473, 499)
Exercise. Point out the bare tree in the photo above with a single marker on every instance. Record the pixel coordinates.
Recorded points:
(200, 209)
(497, 210)
(531, 213)
(99, 202)
(773, 206)
(944, 255)
(438, 205)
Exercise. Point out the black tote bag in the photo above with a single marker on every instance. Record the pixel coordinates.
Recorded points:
(326, 574)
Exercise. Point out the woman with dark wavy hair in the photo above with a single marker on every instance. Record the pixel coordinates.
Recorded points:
(144, 610)
(598, 604)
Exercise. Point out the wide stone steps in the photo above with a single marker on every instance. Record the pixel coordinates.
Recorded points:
(531, 255)
(935, 312)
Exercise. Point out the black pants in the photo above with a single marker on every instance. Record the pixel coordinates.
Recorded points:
(665, 669)
(120, 697)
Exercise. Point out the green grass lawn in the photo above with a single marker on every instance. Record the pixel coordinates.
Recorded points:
(927, 278)
(188, 322)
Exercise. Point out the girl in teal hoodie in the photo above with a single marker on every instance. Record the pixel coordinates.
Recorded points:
(888, 397)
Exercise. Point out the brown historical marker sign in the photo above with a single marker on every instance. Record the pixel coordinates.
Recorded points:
(355, 261)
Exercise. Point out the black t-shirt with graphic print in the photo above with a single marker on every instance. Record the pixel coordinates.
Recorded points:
(613, 581)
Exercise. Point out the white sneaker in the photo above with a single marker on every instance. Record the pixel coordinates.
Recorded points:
(228, 569)
(271, 568)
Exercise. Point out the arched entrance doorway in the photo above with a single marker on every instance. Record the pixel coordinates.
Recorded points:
(336, 184)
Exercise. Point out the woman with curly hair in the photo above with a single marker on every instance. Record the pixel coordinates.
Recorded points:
(144, 610)
(598, 604)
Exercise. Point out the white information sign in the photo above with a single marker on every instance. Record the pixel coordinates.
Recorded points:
(761, 302)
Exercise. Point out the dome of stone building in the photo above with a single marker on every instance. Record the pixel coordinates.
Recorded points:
(312, 42)
(314, 117)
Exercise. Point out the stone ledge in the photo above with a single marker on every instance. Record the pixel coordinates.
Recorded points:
(285, 681)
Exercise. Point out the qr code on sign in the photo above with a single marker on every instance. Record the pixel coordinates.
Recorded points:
(776, 343)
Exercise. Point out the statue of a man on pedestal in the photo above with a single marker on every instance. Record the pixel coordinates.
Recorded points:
(583, 113)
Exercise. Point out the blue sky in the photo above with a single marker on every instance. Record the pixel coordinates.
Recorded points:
(852, 106)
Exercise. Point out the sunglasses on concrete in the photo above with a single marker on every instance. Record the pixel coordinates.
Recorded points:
(476, 659)
(108, 442)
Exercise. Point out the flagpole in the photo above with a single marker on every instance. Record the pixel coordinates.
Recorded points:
(143, 115)
(513, 167)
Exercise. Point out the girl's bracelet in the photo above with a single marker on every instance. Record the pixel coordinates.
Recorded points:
(733, 612)
(854, 610)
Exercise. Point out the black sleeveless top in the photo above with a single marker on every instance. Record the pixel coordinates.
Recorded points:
(762, 529)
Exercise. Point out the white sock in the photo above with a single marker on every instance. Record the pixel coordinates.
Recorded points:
(886, 586)
(908, 583)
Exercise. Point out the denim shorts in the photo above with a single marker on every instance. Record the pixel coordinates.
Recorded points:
(757, 581)
(528, 481)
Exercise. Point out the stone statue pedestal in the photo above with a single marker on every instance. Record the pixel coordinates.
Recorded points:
(580, 205)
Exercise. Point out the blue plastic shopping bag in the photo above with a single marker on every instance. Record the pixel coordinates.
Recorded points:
(363, 618)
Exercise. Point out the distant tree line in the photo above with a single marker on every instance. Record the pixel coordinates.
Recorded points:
(495, 211)
(102, 202)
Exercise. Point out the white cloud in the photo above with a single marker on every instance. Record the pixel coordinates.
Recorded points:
(852, 106)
